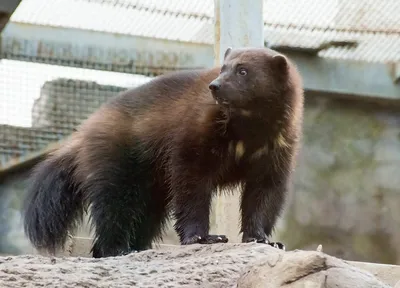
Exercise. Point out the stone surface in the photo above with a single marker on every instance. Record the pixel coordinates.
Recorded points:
(219, 265)
(306, 269)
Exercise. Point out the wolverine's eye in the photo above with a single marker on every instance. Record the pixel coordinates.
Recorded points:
(222, 69)
(242, 72)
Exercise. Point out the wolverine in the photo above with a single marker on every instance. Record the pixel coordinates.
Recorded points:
(163, 149)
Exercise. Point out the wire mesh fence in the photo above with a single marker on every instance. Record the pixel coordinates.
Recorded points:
(55, 69)
(42, 103)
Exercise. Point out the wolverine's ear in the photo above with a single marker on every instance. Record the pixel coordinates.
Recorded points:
(227, 52)
(280, 63)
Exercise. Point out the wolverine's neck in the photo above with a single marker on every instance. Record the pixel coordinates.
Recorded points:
(249, 125)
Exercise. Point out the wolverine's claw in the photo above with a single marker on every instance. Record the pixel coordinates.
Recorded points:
(277, 245)
(209, 239)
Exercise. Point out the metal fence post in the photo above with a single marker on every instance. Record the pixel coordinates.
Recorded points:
(237, 23)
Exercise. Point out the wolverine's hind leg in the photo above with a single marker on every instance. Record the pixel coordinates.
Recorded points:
(155, 217)
(119, 191)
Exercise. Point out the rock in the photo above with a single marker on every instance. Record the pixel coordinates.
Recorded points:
(307, 269)
(219, 265)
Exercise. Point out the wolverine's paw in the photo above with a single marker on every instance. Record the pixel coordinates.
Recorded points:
(255, 240)
(213, 239)
(277, 245)
(209, 239)
(123, 253)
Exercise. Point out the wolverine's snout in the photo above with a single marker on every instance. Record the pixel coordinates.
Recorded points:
(214, 85)
(218, 91)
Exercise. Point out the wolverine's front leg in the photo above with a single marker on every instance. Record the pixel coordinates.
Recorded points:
(192, 204)
(261, 204)
(192, 187)
(191, 192)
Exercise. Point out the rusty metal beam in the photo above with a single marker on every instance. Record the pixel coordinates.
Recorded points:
(99, 50)
(7, 7)
(4, 17)
(396, 73)
(150, 56)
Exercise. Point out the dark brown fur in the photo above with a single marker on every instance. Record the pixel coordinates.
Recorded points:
(166, 146)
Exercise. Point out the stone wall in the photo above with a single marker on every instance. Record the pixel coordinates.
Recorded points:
(346, 188)
(65, 103)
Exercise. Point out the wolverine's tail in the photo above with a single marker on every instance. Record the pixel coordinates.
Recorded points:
(53, 205)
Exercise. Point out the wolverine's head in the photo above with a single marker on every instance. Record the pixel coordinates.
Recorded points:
(250, 77)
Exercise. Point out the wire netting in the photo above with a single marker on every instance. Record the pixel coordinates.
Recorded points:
(53, 74)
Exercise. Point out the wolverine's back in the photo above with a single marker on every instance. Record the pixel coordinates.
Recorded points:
(167, 89)
(153, 112)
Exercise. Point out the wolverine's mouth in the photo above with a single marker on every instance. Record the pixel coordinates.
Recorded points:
(223, 103)
(220, 101)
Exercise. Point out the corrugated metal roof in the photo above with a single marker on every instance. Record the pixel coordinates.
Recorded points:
(339, 15)
(360, 15)
(135, 20)
(306, 23)
(371, 47)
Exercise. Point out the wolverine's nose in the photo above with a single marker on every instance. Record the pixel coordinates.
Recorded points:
(214, 86)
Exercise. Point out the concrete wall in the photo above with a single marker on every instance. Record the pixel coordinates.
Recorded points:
(346, 188)
(64, 103)
(12, 239)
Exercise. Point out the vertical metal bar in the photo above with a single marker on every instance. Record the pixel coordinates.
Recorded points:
(237, 23)
(217, 31)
